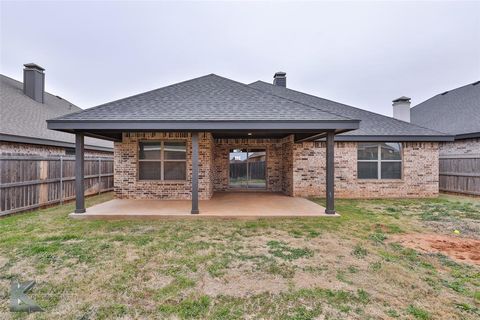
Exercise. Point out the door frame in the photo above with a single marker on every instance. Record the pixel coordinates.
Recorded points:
(247, 189)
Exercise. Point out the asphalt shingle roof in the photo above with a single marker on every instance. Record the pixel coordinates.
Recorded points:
(207, 98)
(372, 124)
(456, 111)
(22, 116)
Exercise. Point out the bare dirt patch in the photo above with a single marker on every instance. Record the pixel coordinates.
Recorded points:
(460, 249)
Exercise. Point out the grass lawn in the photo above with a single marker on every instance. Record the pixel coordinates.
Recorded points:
(281, 268)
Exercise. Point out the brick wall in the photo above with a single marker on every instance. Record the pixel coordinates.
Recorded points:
(127, 185)
(25, 149)
(296, 169)
(287, 165)
(467, 146)
(420, 172)
(274, 166)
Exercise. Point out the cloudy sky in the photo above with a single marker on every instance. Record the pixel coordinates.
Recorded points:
(359, 53)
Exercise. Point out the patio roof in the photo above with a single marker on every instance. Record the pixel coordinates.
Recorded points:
(209, 103)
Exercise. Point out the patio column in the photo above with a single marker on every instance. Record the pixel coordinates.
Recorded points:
(330, 173)
(195, 173)
(79, 174)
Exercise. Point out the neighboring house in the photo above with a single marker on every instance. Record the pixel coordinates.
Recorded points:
(177, 142)
(456, 112)
(37, 164)
(24, 109)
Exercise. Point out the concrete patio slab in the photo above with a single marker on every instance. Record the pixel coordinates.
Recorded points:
(222, 205)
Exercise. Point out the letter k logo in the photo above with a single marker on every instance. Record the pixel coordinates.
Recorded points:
(19, 301)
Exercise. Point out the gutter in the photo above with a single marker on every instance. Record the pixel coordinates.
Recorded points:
(48, 142)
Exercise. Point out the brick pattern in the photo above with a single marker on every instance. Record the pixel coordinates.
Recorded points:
(127, 185)
(274, 166)
(25, 149)
(420, 172)
(287, 165)
(296, 169)
(467, 146)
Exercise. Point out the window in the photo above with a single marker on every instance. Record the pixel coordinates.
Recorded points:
(162, 160)
(379, 160)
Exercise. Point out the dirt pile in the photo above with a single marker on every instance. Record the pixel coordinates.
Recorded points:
(460, 249)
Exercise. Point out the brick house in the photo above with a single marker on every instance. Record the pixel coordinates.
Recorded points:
(456, 112)
(212, 134)
(24, 108)
(36, 164)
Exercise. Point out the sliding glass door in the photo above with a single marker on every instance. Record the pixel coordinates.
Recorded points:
(247, 169)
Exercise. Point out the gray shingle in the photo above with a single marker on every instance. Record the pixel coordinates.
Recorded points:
(372, 124)
(208, 98)
(22, 116)
(456, 111)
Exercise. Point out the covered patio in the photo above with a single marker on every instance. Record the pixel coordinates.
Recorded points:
(165, 148)
(222, 204)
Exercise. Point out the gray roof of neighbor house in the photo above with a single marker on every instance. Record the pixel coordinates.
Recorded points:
(456, 111)
(373, 126)
(23, 119)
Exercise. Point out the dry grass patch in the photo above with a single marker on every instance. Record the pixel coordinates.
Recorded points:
(351, 267)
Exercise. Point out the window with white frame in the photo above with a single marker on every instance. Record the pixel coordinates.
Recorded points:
(162, 160)
(379, 160)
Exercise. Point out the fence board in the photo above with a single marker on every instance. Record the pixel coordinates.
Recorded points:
(460, 173)
(28, 182)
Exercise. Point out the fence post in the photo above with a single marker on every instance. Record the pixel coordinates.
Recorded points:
(43, 191)
(99, 175)
(61, 179)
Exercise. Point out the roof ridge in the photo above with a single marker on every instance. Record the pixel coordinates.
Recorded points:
(447, 91)
(283, 98)
(138, 94)
(371, 112)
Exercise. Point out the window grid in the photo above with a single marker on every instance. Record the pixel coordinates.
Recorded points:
(162, 159)
(379, 164)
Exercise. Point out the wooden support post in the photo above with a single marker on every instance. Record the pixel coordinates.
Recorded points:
(195, 173)
(79, 174)
(330, 161)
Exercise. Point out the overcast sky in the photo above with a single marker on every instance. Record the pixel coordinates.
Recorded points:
(364, 53)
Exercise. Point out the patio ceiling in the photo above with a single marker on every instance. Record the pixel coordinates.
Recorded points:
(303, 130)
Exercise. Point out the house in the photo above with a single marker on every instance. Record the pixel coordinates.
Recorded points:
(24, 109)
(177, 142)
(456, 112)
(36, 164)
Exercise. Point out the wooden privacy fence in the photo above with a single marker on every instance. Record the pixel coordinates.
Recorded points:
(460, 173)
(28, 182)
(256, 170)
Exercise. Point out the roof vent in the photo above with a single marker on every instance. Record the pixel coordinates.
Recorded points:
(401, 108)
(34, 81)
(475, 83)
(280, 79)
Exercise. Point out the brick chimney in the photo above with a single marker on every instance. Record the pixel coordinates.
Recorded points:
(280, 79)
(401, 109)
(34, 81)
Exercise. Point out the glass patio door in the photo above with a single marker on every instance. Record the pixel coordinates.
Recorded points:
(247, 169)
